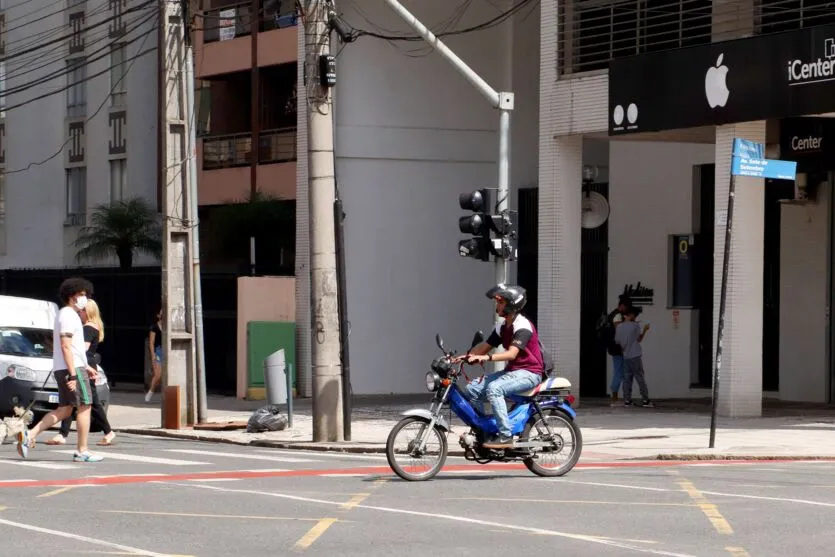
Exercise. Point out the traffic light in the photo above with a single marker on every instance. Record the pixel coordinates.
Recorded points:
(478, 224)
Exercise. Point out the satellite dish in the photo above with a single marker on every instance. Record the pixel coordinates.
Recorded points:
(595, 210)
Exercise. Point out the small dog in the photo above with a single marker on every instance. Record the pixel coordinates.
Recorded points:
(12, 425)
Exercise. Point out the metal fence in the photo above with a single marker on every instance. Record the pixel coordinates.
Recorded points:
(128, 300)
(231, 150)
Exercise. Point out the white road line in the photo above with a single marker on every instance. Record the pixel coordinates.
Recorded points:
(238, 455)
(216, 480)
(94, 541)
(446, 517)
(720, 494)
(342, 475)
(126, 475)
(268, 470)
(146, 459)
(41, 464)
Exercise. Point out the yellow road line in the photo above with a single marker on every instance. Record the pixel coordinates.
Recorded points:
(710, 511)
(58, 491)
(737, 552)
(201, 515)
(314, 533)
(355, 500)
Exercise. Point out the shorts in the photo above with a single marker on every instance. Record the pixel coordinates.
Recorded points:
(82, 396)
(158, 354)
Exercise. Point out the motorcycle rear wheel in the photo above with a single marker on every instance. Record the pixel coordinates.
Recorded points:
(436, 434)
(555, 419)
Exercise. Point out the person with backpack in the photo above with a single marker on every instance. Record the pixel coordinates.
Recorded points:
(606, 333)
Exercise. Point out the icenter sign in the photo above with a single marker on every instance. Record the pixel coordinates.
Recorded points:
(806, 143)
(805, 72)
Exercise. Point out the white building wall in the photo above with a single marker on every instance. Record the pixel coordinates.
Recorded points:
(651, 197)
(804, 299)
(411, 134)
(36, 129)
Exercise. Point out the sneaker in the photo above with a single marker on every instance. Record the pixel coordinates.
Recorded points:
(647, 404)
(499, 442)
(23, 443)
(148, 396)
(57, 440)
(86, 457)
(627, 403)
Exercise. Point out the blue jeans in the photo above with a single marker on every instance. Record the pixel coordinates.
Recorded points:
(617, 373)
(495, 386)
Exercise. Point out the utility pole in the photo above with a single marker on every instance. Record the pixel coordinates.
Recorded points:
(178, 282)
(197, 298)
(325, 345)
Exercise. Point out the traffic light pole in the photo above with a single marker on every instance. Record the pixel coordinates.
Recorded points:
(500, 100)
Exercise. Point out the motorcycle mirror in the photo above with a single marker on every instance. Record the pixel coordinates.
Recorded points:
(440, 342)
(478, 338)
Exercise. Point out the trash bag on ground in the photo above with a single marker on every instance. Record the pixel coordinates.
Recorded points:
(266, 418)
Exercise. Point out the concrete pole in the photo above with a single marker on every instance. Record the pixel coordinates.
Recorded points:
(197, 298)
(325, 352)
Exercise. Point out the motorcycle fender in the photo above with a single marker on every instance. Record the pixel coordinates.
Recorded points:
(424, 413)
(561, 406)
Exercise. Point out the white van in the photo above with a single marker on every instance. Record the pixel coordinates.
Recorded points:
(26, 357)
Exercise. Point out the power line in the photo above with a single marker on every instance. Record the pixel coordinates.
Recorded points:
(32, 39)
(142, 6)
(102, 105)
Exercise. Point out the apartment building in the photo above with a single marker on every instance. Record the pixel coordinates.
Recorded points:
(79, 125)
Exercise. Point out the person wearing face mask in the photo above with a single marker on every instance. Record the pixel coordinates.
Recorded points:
(71, 371)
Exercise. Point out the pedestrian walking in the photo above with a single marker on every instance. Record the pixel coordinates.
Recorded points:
(93, 335)
(155, 346)
(69, 366)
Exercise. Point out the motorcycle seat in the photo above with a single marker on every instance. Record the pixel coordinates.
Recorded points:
(552, 384)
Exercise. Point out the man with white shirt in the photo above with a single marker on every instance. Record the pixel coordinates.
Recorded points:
(69, 365)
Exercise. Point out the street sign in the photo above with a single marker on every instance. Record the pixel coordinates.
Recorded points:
(748, 149)
(763, 168)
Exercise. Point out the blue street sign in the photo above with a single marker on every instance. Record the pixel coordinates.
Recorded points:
(748, 149)
(763, 168)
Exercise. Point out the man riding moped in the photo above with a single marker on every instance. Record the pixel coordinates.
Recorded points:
(525, 365)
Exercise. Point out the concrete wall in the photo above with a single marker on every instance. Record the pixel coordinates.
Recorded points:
(650, 193)
(261, 299)
(411, 134)
(803, 299)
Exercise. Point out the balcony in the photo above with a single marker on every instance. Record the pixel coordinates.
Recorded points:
(226, 46)
(227, 159)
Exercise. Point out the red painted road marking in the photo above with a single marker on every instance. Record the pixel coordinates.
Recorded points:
(365, 471)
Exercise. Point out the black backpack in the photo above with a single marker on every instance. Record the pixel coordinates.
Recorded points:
(606, 334)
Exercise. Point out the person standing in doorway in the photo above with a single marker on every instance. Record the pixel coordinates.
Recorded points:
(155, 347)
(629, 336)
(69, 365)
(93, 335)
(606, 331)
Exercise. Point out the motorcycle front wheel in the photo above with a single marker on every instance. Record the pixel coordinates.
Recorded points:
(404, 443)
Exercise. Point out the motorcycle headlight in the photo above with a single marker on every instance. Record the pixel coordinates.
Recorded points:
(433, 381)
(20, 372)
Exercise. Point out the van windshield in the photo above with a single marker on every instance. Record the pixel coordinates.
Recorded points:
(22, 341)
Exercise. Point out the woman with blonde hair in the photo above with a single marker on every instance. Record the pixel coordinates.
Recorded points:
(93, 335)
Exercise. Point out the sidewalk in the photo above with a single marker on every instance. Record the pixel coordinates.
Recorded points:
(676, 430)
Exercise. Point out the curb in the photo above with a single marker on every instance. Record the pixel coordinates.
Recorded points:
(732, 457)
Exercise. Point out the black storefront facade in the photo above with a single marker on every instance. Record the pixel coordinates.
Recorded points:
(788, 81)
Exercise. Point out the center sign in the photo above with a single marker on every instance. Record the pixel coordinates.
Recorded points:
(743, 80)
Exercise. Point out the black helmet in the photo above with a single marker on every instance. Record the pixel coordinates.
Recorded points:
(513, 295)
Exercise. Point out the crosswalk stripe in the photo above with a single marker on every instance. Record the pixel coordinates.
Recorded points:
(147, 459)
(338, 455)
(246, 456)
(40, 464)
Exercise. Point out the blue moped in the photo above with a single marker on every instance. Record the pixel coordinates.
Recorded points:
(542, 418)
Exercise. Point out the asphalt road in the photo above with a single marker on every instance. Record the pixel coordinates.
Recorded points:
(161, 497)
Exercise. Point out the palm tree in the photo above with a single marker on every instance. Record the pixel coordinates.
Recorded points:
(121, 229)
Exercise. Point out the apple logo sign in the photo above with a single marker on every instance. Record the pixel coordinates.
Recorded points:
(716, 89)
